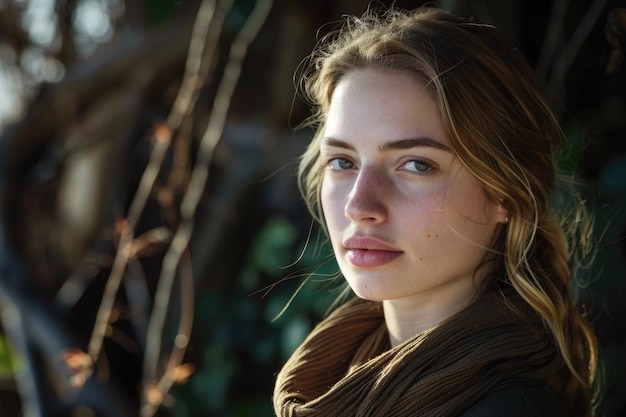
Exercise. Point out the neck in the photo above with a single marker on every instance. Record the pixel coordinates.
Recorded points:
(408, 317)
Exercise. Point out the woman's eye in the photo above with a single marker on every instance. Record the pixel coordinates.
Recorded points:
(415, 165)
(340, 164)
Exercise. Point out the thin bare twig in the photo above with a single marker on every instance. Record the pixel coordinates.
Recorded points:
(155, 394)
(196, 187)
(204, 38)
(199, 51)
(124, 247)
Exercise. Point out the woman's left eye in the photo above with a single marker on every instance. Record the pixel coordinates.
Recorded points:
(416, 165)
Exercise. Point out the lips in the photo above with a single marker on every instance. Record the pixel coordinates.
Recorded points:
(369, 252)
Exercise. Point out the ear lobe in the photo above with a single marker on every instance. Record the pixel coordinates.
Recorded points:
(502, 214)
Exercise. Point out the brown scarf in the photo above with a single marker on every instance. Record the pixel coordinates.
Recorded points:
(346, 367)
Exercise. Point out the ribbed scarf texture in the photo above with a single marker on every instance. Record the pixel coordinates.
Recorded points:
(346, 367)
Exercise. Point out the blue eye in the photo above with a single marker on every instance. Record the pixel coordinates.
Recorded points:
(416, 165)
(340, 164)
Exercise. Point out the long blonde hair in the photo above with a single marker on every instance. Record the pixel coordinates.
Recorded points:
(502, 131)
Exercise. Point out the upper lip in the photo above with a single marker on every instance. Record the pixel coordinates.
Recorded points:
(368, 243)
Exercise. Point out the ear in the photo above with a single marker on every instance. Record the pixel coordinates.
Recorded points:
(502, 214)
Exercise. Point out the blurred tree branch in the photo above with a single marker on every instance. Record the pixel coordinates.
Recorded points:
(192, 196)
(73, 118)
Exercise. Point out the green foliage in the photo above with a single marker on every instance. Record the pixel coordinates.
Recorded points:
(244, 338)
(10, 361)
(570, 159)
(612, 179)
(161, 10)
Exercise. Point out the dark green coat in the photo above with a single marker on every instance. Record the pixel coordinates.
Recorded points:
(517, 401)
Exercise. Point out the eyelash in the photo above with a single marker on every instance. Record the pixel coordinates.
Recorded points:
(335, 162)
(428, 167)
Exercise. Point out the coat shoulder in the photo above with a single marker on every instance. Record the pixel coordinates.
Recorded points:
(517, 401)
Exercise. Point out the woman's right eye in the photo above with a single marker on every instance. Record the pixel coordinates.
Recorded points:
(340, 164)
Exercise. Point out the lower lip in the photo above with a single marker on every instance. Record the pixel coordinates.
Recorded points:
(371, 258)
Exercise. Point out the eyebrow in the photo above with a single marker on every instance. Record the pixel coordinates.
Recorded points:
(394, 145)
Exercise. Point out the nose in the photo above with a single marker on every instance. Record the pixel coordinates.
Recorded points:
(368, 199)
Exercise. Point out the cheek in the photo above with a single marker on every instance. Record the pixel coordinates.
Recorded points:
(470, 213)
(466, 198)
(477, 207)
(423, 204)
(331, 203)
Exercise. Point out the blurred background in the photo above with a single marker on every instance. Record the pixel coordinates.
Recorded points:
(151, 227)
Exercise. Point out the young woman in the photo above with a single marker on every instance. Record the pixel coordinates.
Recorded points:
(432, 172)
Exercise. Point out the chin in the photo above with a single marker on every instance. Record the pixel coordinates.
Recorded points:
(367, 293)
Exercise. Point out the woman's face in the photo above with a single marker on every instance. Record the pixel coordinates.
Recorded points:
(405, 218)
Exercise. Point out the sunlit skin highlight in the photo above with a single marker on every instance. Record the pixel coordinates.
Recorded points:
(409, 225)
